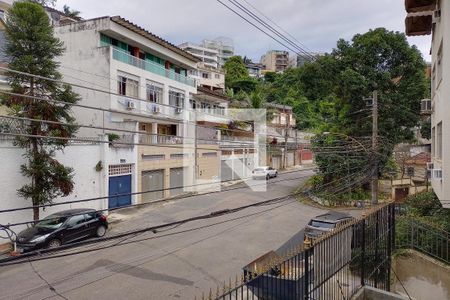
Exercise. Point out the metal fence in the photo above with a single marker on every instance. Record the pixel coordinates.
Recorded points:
(335, 266)
(417, 235)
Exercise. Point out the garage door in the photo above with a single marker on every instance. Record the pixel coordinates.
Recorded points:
(290, 159)
(176, 181)
(152, 181)
(120, 186)
(276, 162)
(226, 172)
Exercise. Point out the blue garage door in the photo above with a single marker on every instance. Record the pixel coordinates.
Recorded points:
(119, 185)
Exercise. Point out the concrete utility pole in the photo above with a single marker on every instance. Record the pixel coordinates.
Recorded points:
(374, 182)
(285, 138)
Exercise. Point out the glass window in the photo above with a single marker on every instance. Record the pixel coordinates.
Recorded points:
(322, 224)
(176, 98)
(154, 93)
(52, 222)
(217, 76)
(205, 75)
(439, 141)
(127, 86)
(90, 216)
(75, 220)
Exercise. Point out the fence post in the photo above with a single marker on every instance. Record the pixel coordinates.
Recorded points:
(363, 249)
(377, 236)
(306, 278)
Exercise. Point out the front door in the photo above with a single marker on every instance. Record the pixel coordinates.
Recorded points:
(119, 191)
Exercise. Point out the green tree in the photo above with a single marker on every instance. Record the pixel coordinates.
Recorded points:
(71, 12)
(32, 48)
(237, 76)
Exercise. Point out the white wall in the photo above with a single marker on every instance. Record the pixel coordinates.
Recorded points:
(441, 111)
(88, 182)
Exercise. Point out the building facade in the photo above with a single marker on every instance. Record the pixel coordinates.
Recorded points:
(213, 53)
(433, 17)
(275, 61)
(208, 77)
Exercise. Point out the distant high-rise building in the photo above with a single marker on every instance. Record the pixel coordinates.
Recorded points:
(275, 60)
(303, 58)
(213, 53)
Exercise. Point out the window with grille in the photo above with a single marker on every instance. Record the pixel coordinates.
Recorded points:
(153, 156)
(176, 98)
(178, 155)
(119, 169)
(154, 92)
(127, 86)
(209, 154)
(410, 171)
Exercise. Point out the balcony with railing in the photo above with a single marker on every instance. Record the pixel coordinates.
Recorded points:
(150, 66)
(151, 139)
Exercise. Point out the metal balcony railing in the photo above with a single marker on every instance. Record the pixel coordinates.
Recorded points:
(160, 139)
(150, 66)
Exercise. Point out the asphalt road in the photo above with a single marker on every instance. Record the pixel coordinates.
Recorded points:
(175, 263)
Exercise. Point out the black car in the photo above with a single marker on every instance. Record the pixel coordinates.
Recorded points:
(61, 228)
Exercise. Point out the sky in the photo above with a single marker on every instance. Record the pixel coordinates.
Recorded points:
(317, 24)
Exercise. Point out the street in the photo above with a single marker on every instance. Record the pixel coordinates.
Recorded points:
(175, 263)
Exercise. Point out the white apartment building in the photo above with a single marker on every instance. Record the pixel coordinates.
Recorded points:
(433, 17)
(208, 56)
(148, 91)
(211, 78)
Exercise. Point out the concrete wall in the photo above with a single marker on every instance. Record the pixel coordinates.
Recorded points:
(88, 182)
(440, 98)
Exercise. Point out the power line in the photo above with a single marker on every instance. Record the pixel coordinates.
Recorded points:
(256, 26)
(268, 26)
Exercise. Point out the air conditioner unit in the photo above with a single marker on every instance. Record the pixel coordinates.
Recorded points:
(436, 16)
(430, 166)
(155, 109)
(178, 110)
(437, 174)
(131, 105)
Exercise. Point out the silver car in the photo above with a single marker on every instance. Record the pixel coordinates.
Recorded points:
(264, 172)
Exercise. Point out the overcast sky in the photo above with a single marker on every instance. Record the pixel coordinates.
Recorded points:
(317, 24)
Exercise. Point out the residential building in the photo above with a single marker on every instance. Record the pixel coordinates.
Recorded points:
(211, 78)
(208, 56)
(424, 18)
(4, 6)
(213, 53)
(254, 69)
(275, 61)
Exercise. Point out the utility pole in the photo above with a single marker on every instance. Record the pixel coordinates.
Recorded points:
(374, 182)
(286, 119)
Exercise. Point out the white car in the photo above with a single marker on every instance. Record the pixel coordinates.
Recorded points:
(264, 172)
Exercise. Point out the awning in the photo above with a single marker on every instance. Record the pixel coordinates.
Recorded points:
(420, 5)
(418, 23)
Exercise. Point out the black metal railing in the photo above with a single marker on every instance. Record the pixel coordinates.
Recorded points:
(422, 237)
(334, 266)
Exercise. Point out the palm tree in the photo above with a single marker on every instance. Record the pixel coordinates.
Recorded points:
(71, 13)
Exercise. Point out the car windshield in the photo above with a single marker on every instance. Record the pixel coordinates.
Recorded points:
(321, 224)
(52, 222)
(259, 169)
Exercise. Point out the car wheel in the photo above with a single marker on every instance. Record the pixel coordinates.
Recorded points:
(52, 244)
(101, 231)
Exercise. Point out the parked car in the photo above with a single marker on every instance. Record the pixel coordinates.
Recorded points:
(264, 172)
(325, 223)
(61, 228)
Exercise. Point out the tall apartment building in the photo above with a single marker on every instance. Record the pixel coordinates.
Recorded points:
(208, 56)
(275, 60)
(213, 53)
(433, 17)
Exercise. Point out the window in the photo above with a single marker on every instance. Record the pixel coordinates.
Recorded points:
(439, 65)
(75, 220)
(127, 87)
(410, 171)
(209, 154)
(439, 141)
(154, 92)
(154, 157)
(205, 75)
(176, 98)
(433, 142)
(193, 103)
(178, 155)
(217, 76)
(90, 216)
